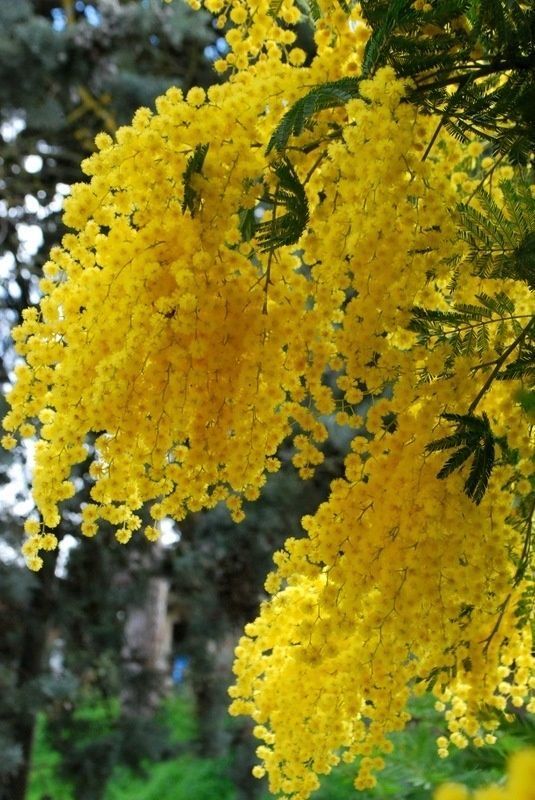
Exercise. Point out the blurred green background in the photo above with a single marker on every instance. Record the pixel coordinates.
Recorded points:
(412, 772)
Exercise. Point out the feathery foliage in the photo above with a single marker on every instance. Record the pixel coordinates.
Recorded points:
(522, 367)
(466, 327)
(327, 95)
(485, 51)
(501, 239)
(192, 196)
(473, 438)
(289, 195)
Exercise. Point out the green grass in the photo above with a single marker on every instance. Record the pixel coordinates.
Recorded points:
(43, 779)
(413, 770)
(185, 777)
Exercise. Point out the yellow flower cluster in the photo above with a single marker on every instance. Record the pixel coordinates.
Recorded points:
(191, 354)
(519, 785)
(185, 350)
(263, 30)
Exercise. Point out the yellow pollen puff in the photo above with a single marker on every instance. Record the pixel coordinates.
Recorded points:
(151, 533)
(32, 526)
(196, 96)
(258, 771)
(238, 15)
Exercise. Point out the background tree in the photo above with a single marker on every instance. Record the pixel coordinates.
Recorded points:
(67, 71)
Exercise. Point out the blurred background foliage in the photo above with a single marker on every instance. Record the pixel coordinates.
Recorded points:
(87, 705)
(412, 772)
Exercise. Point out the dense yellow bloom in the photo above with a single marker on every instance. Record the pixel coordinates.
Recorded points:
(190, 354)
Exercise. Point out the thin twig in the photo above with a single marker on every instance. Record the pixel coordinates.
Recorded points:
(497, 624)
(444, 117)
(504, 356)
(526, 546)
(314, 167)
(484, 178)
(270, 255)
(434, 136)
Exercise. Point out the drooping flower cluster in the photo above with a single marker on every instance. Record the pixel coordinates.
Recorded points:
(190, 349)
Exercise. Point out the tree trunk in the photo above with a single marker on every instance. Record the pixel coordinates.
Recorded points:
(243, 759)
(30, 667)
(211, 674)
(146, 651)
(218, 735)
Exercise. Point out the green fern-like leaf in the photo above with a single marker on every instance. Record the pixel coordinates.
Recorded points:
(397, 13)
(248, 224)
(494, 91)
(311, 9)
(455, 461)
(290, 198)
(473, 437)
(500, 304)
(480, 471)
(192, 199)
(327, 95)
(522, 368)
(501, 240)
(467, 328)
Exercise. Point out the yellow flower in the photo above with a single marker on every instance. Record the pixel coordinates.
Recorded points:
(451, 791)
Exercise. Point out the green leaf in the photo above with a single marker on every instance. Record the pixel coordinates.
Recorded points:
(500, 304)
(446, 443)
(466, 328)
(522, 368)
(455, 461)
(473, 437)
(478, 479)
(327, 95)
(501, 240)
(492, 96)
(289, 196)
(526, 399)
(248, 223)
(525, 259)
(378, 45)
(311, 9)
(192, 199)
